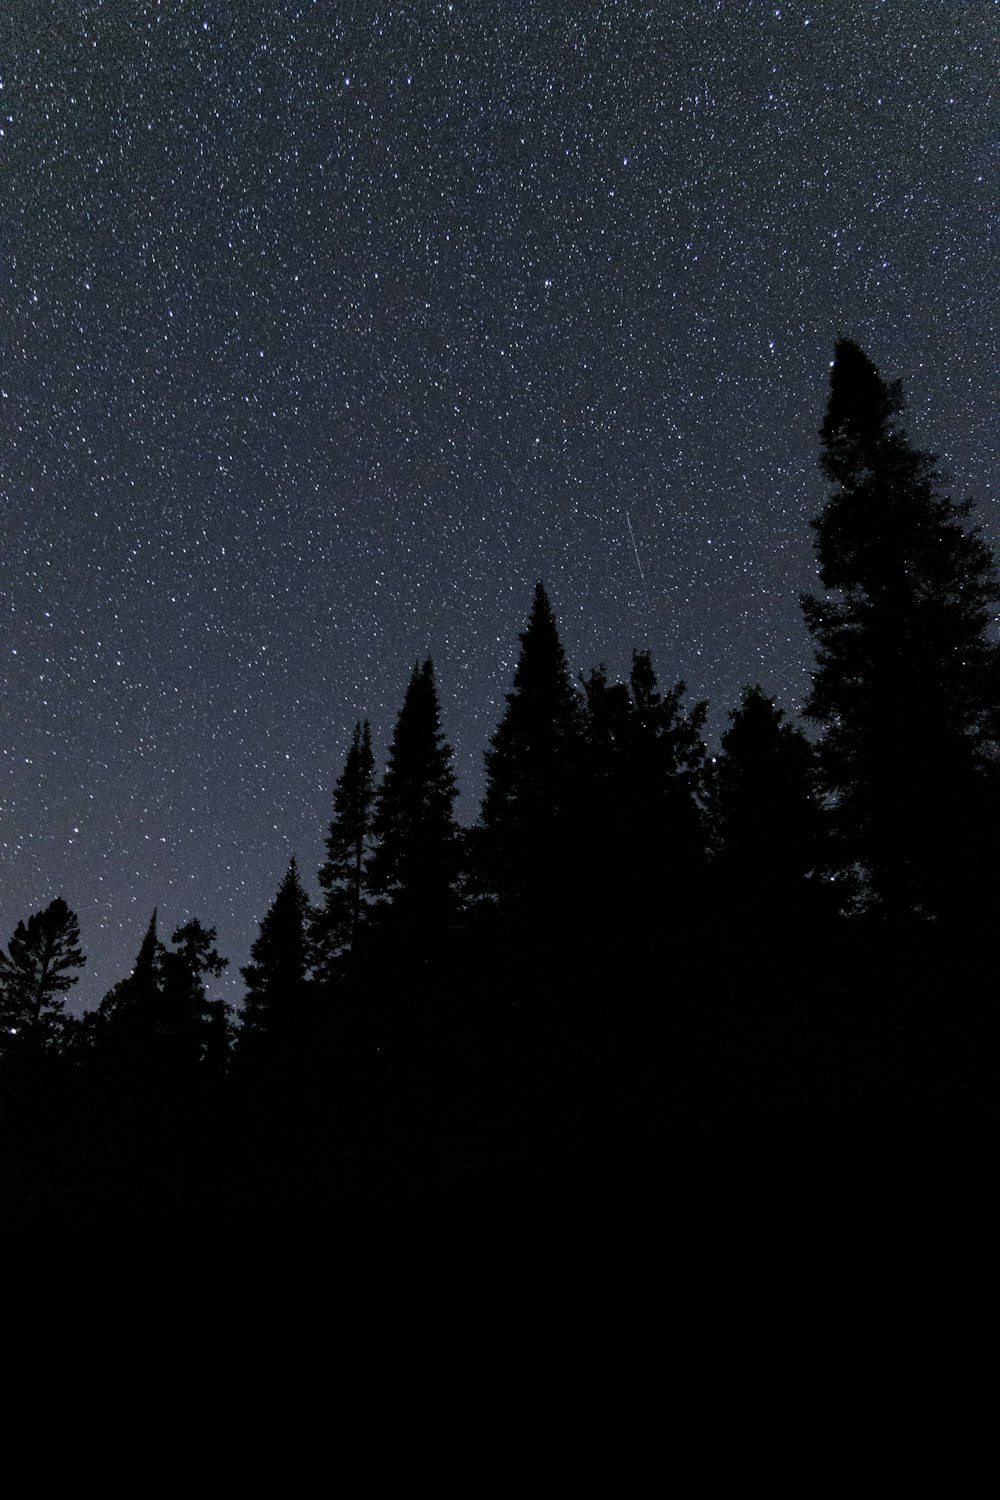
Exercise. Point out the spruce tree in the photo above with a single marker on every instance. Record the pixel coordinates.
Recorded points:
(907, 678)
(124, 1029)
(666, 794)
(414, 865)
(337, 922)
(643, 787)
(609, 844)
(147, 959)
(275, 1009)
(35, 974)
(767, 818)
(533, 771)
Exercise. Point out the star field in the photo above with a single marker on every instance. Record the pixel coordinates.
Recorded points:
(327, 329)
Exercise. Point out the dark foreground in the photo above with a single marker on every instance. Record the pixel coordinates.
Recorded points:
(579, 1102)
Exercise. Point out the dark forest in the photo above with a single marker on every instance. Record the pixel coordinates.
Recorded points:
(638, 946)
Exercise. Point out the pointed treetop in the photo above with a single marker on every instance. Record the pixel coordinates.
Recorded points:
(535, 745)
(276, 974)
(290, 890)
(542, 667)
(418, 747)
(145, 961)
(353, 791)
(857, 423)
(342, 875)
(413, 861)
(907, 677)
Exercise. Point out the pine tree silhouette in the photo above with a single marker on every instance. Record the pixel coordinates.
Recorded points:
(35, 974)
(666, 754)
(768, 821)
(276, 1008)
(642, 815)
(533, 771)
(337, 922)
(124, 1029)
(907, 679)
(414, 865)
(193, 1030)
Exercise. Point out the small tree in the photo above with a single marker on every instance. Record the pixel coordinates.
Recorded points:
(35, 974)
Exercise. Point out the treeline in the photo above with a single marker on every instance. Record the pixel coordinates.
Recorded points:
(634, 936)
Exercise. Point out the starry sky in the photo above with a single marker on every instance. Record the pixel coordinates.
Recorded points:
(327, 328)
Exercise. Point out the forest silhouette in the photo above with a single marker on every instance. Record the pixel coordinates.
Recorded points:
(635, 945)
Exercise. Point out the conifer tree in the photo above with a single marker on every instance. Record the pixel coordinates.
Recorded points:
(768, 822)
(276, 1003)
(336, 924)
(666, 756)
(35, 974)
(670, 735)
(907, 679)
(194, 1031)
(124, 1029)
(147, 959)
(533, 770)
(414, 866)
(643, 787)
(609, 845)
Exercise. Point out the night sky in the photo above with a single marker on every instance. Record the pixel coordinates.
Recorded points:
(327, 329)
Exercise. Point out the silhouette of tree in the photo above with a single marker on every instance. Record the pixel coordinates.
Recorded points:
(276, 1003)
(642, 787)
(194, 1031)
(124, 1028)
(610, 830)
(906, 683)
(336, 924)
(666, 755)
(147, 963)
(660, 761)
(414, 865)
(35, 974)
(533, 769)
(768, 821)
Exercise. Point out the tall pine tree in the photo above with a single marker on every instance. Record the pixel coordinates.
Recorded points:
(667, 754)
(533, 772)
(414, 866)
(123, 1032)
(276, 1005)
(336, 924)
(907, 678)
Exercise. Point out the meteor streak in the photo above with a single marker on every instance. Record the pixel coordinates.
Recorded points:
(635, 549)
